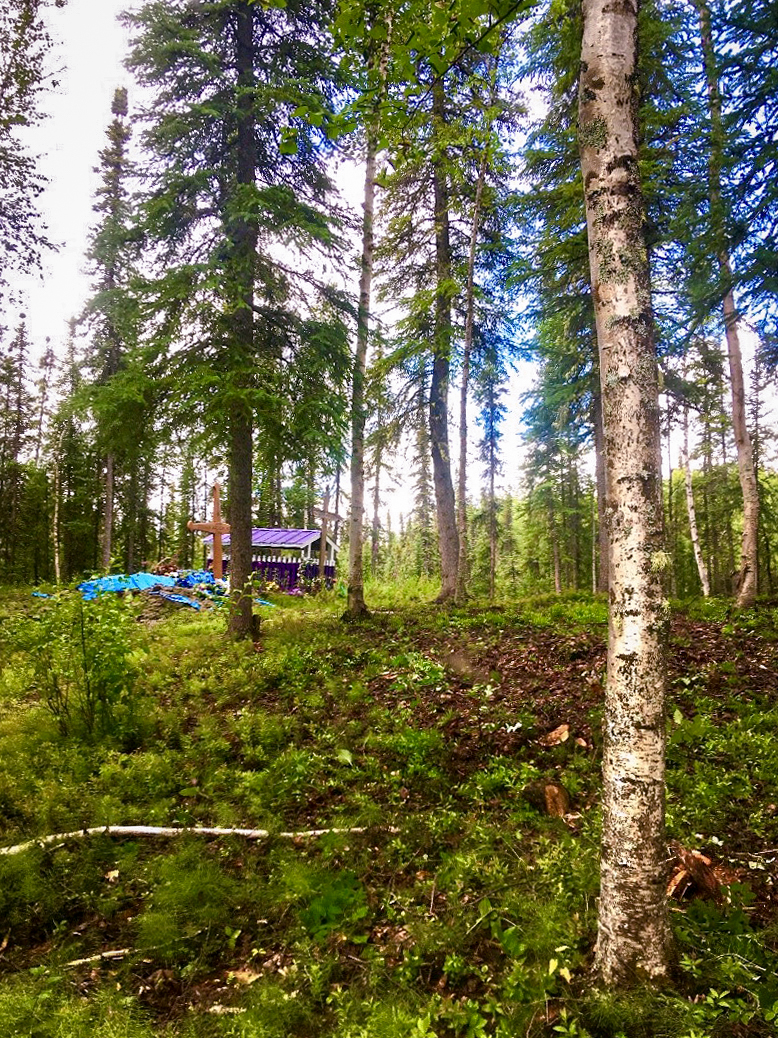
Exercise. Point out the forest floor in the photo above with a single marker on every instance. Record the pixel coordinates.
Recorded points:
(463, 744)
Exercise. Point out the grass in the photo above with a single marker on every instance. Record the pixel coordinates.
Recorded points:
(460, 911)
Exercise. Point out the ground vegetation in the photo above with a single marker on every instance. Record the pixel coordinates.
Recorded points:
(464, 901)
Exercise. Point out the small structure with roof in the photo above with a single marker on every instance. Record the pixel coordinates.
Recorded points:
(278, 540)
(286, 555)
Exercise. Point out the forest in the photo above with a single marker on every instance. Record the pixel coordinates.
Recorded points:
(509, 771)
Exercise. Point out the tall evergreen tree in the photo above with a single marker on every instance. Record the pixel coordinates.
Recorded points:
(224, 188)
(16, 431)
(25, 44)
(490, 388)
(112, 316)
(75, 465)
(746, 37)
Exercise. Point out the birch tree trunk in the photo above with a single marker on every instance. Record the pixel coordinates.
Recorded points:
(107, 545)
(375, 527)
(633, 940)
(747, 576)
(355, 603)
(461, 593)
(462, 568)
(690, 508)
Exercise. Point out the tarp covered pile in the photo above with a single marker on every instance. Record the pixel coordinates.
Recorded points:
(118, 582)
(200, 581)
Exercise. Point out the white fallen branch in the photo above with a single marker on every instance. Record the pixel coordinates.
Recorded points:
(170, 831)
(106, 956)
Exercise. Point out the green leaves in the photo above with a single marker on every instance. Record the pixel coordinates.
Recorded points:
(288, 145)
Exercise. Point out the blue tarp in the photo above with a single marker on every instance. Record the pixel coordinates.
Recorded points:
(197, 576)
(121, 582)
(181, 599)
(146, 581)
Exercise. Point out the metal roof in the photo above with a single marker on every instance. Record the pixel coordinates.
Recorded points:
(276, 537)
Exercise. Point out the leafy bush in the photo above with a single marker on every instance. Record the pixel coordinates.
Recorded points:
(338, 902)
(84, 663)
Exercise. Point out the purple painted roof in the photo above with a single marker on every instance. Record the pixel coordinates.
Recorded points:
(277, 537)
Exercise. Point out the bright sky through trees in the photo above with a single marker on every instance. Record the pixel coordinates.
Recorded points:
(86, 60)
(89, 47)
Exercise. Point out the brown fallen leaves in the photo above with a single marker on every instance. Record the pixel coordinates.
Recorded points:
(696, 875)
(549, 797)
(554, 738)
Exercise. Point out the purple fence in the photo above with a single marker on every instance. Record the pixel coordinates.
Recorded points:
(288, 573)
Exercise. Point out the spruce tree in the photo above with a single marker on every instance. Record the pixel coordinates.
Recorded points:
(25, 42)
(226, 184)
(17, 421)
(112, 317)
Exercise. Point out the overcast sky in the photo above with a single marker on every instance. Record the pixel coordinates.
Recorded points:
(89, 46)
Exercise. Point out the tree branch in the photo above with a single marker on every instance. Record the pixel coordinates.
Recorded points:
(170, 831)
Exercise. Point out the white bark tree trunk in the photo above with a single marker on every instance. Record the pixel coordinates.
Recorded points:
(107, 545)
(462, 570)
(356, 585)
(747, 576)
(55, 518)
(633, 941)
(691, 510)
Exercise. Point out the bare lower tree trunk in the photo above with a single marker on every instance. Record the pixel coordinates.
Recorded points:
(448, 538)
(594, 543)
(107, 544)
(552, 527)
(356, 582)
(336, 526)
(244, 236)
(55, 519)
(462, 568)
(634, 939)
(325, 508)
(492, 533)
(747, 576)
(375, 527)
(690, 508)
(423, 507)
(240, 622)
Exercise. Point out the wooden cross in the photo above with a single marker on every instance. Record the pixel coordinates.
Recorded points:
(325, 515)
(217, 528)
